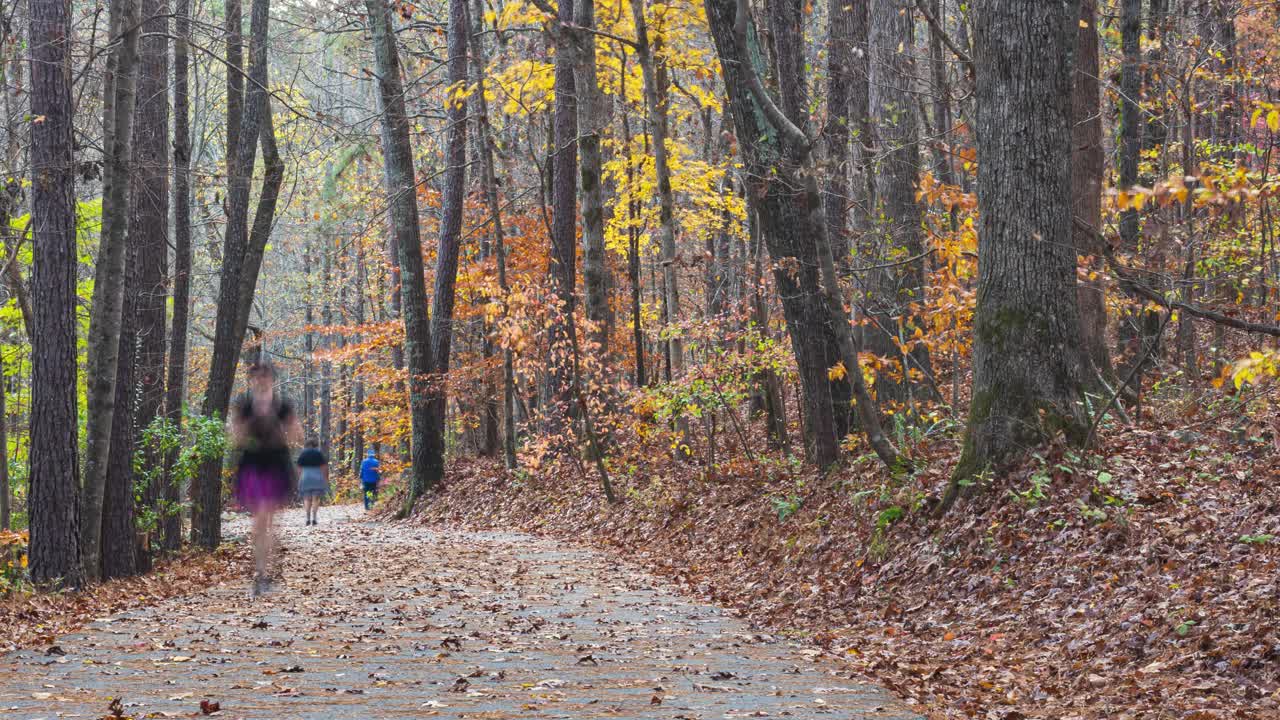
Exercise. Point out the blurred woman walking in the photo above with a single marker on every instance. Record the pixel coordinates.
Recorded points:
(262, 425)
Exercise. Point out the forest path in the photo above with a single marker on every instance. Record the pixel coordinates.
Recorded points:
(378, 620)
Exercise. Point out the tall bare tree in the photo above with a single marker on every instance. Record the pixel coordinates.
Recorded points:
(656, 93)
(149, 231)
(54, 463)
(564, 203)
(592, 118)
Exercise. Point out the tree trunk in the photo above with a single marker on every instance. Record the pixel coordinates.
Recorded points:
(655, 94)
(899, 243)
(119, 508)
(234, 64)
(326, 370)
(479, 63)
(452, 203)
(108, 287)
(176, 385)
(1130, 117)
(54, 463)
(149, 232)
(774, 168)
(1026, 356)
(1086, 193)
(846, 90)
(397, 152)
(592, 117)
(563, 273)
(5, 502)
(241, 259)
(633, 238)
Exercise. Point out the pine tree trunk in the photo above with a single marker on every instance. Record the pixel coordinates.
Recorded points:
(1026, 358)
(54, 463)
(428, 439)
(119, 509)
(108, 287)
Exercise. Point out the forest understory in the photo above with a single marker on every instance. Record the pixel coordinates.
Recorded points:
(1138, 580)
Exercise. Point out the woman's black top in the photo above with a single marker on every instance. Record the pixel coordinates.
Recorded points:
(265, 442)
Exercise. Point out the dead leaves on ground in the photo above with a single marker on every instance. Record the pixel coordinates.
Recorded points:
(1156, 593)
(31, 619)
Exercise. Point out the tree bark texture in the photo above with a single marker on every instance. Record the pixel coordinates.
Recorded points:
(1130, 117)
(54, 463)
(119, 509)
(564, 192)
(846, 109)
(592, 117)
(1026, 356)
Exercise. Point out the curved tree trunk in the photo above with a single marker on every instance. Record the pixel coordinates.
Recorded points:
(428, 441)
(1026, 352)
(241, 258)
(777, 171)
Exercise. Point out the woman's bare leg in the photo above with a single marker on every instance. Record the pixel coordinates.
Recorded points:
(261, 541)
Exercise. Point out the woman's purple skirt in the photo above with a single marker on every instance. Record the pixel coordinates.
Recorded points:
(260, 487)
